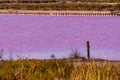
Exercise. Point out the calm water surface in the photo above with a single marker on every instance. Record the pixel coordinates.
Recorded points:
(40, 36)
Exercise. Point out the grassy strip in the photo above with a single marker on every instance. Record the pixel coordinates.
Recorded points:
(61, 6)
(57, 69)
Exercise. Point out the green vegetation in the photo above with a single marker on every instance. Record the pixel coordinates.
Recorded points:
(60, 6)
(57, 69)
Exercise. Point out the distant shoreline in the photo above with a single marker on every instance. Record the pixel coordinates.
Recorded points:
(59, 13)
(34, 7)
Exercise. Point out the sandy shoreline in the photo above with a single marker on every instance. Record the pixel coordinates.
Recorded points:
(53, 12)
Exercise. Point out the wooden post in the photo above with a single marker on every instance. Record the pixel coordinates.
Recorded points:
(88, 50)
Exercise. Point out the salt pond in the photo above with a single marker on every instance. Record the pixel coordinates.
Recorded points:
(40, 36)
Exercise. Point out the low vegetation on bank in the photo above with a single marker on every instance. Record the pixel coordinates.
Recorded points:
(75, 67)
(60, 6)
(57, 69)
(57, 1)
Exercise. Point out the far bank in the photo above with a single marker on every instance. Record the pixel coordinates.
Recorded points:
(61, 9)
(61, 13)
(61, 6)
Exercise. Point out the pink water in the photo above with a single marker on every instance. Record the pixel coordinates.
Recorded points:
(40, 36)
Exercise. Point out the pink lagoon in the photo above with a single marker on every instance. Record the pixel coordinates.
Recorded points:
(41, 36)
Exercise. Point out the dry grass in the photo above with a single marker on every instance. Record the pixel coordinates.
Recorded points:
(57, 69)
(61, 6)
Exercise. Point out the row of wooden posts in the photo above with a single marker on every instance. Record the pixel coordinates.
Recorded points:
(63, 14)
